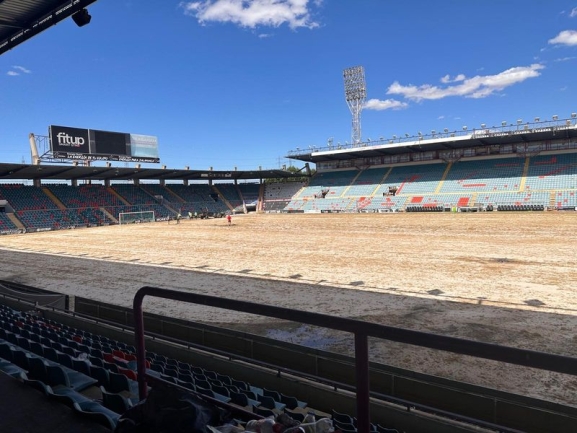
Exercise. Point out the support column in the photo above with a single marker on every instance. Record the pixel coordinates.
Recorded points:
(362, 378)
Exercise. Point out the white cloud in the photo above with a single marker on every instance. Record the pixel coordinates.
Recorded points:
(566, 37)
(253, 13)
(573, 13)
(564, 59)
(447, 79)
(264, 35)
(22, 69)
(479, 86)
(387, 104)
(17, 70)
(441, 117)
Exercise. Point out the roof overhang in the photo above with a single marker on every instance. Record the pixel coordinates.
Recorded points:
(21, 20)
(71, 172)
(477, 138)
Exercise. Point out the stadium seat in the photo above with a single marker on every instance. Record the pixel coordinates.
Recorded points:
(58, 375)
(297, 416)
(21, 359)
(341, 417)
(270, 403)
(263, 411)
(81, 365)
(115, 401)
(292, 402)
(243, 400)
(270, 393)
(98, 413)
(381, 429)
(65, 359)
(101, 375)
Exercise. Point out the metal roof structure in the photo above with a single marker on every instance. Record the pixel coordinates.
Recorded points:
(498, 136)
(19, 172)
(20, 20)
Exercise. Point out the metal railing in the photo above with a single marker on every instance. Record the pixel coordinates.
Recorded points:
(361, 331)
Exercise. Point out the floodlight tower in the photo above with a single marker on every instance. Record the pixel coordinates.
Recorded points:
(355, 94)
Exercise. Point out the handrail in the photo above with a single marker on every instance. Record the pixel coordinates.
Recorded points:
(361, 330)
(408, 404)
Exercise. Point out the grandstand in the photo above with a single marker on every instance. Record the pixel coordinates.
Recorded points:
(543, 182)
(533, 168)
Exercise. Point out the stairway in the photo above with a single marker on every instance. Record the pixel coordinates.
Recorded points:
(52, 197)
(12, 217)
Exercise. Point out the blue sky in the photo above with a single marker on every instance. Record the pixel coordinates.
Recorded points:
(227, 83)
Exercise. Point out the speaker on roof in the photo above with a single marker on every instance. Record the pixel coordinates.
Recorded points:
(81, 18)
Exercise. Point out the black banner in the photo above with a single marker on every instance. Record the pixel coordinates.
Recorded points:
(93, 157)
(66, 139)
(112, 143)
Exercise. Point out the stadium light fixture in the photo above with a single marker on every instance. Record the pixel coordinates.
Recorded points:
(445, 130)
(369, 139)
(504, 123)
(406, 135)
(537, 119)
(555, 117)
(433, 132)
(81, 18)
(355, 95)
(568, 122)
(519, 121)
(483, 125)
(573, 115)
(394, 137)
(419, 133)
(381, 138)
(464, 128)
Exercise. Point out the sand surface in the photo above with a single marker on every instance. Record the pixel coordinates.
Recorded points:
(504, 278)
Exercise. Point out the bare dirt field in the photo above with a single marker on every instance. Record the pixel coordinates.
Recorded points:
(504, 278)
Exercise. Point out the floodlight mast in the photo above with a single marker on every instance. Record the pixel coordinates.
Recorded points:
(355, 94)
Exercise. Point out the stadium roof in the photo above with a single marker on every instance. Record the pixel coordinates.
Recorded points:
(71, 172)
(503, 135)
(22, 19)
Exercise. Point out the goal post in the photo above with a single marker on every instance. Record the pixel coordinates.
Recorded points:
(136, 217)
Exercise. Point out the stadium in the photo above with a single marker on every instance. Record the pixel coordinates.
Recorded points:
(415, 283)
